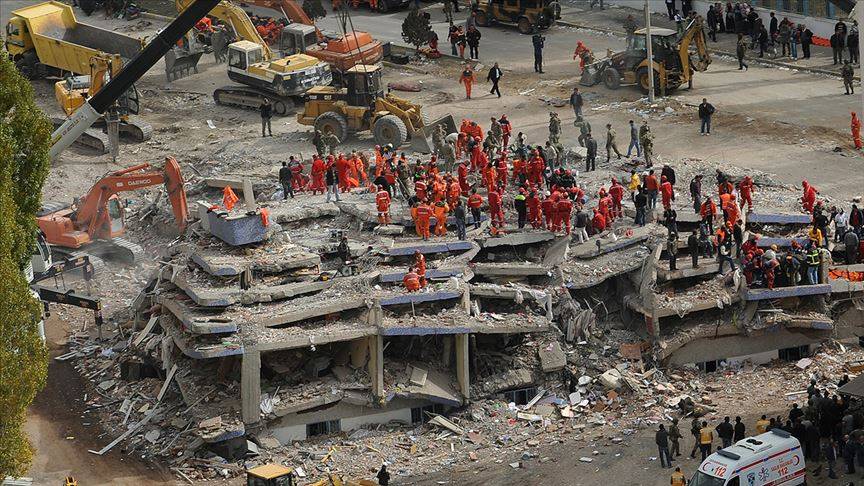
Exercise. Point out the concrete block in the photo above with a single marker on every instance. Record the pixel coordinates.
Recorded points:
(510, 269)
(517, 239)
(782, 292)
(686, 270)
(611, 379)
(590, 249)
(250, 387)
(431, 274)
(769, 218)
(552, 357)
(767, 241)
(237, 230)
(429, 248)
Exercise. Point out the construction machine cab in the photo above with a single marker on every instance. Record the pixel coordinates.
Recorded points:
(243, 54)
(525, 14)
(297, 38)
(17, 40)
(364, 85)
(270, 475)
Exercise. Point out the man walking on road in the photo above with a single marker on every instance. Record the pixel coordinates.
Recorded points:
(266, 109)
(661, 438)
(611, 143)
(576, 102)
(848, 74)
(538, 41)
(706, 110)
(674, 437)
(591, 156)
(494, 76)
(634, 140)
(740, 50)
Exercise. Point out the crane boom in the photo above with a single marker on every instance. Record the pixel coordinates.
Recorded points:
(131, 72)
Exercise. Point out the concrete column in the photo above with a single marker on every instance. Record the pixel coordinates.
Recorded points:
(466, 300)
(359, 352)
(375, 315)
(250, 387)
(376, 364)
(447, 350)
(462, 367)
(249, 195)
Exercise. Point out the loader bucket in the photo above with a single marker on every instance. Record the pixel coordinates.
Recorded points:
(591, 74)
(421, 140)
(180, 63)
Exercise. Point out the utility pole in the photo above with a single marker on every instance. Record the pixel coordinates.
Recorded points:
(650, 53)
(859, 12)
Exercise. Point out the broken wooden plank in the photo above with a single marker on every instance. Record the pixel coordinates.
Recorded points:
(144, 332)
(443, 422)
(126, 434)
(168, 380)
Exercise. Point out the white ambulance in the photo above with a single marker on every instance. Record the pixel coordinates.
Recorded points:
(774, 458)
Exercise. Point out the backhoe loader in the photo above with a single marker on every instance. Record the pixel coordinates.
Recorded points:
(673, 64)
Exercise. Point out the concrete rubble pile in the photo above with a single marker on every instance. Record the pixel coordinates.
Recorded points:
(285, 350)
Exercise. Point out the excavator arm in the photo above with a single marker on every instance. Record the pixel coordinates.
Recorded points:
(235, 17)
(695, 34)
(93, 208)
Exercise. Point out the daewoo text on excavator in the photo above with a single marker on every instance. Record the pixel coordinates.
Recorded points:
(95, 222)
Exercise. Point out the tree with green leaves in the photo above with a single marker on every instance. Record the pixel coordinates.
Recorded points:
(314, 9)
(416, 29)
(25, 139)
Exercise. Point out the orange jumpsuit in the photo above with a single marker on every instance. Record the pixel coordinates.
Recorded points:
(548, 208)
(411, 281)
(424, 213)
(468, 80)
(318, 169)
(382, 202)
(453, 192)
(420, 266)
(616, 192)
(533, 203)
(496, 213)
(745, 190)
(462, 175)
(562, 212)
(856, 130)
(440, 211)
(808, 200)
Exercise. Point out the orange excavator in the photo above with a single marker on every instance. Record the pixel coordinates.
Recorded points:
(95, 222)
(341, 53)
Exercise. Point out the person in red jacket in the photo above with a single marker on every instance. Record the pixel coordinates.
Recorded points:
(420, 266)
(424, 214)
(468, 79)
(440, 210)
(556, 216)
(533, 204)
(506, 130)
(730, 209)
(616, 192)
(707, 212)
(562, 210)
(318, 170)
(454, 191)
(382, 202)
(745, 190)
(475, 202)
(496, 213)
(598, 222)
(476, 153)
(808, 199)
(342, 171)
(462, 175)
(666, 192)
(535, 169)
(604, 202)
(548, 208)
(420, 189)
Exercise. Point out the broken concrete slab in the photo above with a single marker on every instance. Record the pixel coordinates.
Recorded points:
(237, 229)
(611, 379)
(419, 297)
(685, 269)
(431, 274)
(552, 357)
(777, 219)
(510, 270)
(212, 323)
(595, 247)
(516, 239)
(494, 291)
(783, 292)
(201, 347)
(506, 380)
(767, 241)
(272, 259)
(429, 248)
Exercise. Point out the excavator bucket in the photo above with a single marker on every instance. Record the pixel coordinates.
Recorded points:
(181, 62)
(421, 141)
(591, 75)
(176, 192)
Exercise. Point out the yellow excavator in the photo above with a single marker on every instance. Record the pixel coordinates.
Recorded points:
(252, 64)
(674, 63)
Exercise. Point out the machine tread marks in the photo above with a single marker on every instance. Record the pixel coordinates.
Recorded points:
(390, 129)
(331, 121)
(611, 78)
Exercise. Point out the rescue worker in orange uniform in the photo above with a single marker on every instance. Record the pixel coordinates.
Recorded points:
(475, 202)
(440, 210)
(468, 79)
(745, 190)
(533, 203)
(616, 192)
(666, 192)
(808, 200)
(424, 214)
(411, 280)
(598, 222)
(382, 202)
(496, 213)
(548, 208)
(506, 130)
(707, 211)
(535, 169)
(318, 170)
(454, 191)
(462, 175)
(420, 189)
(856, 130)
(420, 265)
(562, 211)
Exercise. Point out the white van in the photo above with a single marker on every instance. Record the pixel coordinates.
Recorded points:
(770, 459)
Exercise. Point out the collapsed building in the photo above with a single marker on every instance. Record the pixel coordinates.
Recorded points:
(272, 337)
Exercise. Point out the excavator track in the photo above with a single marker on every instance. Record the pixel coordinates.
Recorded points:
(136, 128)
(251, 98)
(117, 249)
(92, 138)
